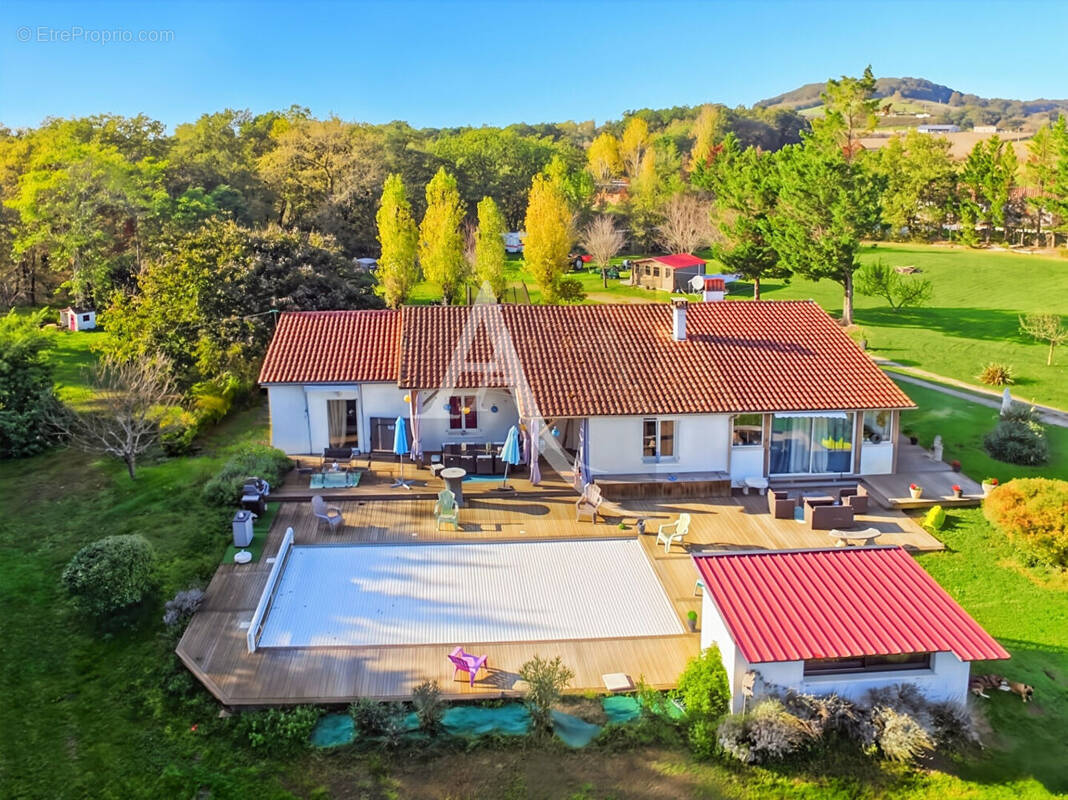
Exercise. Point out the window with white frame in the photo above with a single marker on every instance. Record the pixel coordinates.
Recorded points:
(748, 430)
(877, 427)
(658, 439)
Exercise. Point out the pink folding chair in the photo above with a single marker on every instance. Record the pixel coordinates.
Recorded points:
(466, 662)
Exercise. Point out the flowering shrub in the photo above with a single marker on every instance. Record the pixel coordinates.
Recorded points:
(1033, 514)
(768, 733)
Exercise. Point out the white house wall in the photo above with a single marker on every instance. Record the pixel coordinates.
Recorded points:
(714, 632)
(876, 459)
(746, 462)
(289, 419)
(701, 444)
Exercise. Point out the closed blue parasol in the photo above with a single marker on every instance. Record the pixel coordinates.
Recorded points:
(400, 447)
(510, 452)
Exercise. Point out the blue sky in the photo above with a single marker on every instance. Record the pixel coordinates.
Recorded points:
(454, 63)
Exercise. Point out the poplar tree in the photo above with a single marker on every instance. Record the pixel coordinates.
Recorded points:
(441, 240)
(548, 241)
(634, 146)
(489, 246)
(397, 270)
(603, 158)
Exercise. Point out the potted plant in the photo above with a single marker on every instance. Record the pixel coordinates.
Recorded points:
(954, 465)
(957, 492)
(913, 438)
(989, 484)
(916, 491)
(691, 619)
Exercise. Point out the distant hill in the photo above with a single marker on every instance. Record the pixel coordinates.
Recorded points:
(917, 98)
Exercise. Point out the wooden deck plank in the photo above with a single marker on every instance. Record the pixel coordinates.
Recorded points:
(214, 644)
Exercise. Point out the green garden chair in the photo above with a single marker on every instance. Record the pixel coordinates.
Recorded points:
(446, 510)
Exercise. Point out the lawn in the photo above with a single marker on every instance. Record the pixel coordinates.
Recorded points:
(971, 320)
(71, 355)
(962, 426)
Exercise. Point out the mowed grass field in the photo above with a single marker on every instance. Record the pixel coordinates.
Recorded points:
(971, 320)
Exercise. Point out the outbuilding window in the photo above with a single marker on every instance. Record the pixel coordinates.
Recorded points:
(884, 663)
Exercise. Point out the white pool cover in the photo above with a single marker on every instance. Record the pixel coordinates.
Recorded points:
(360, 595)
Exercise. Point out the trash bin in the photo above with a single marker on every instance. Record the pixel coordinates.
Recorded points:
(243, 528)
(254, 495)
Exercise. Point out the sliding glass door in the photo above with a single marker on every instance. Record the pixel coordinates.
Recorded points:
(806, 443)
(343, 421)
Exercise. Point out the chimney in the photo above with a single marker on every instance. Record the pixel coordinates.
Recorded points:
(715, 289)
(678, 320)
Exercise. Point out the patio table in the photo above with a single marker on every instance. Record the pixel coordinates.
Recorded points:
(454, 482)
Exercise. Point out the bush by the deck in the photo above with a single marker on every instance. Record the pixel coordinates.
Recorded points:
(257, 460)
(1033, 514)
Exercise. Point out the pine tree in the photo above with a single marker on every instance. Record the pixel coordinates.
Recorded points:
(397, 270)
(548, 241)
(441, 241)
(489, 247)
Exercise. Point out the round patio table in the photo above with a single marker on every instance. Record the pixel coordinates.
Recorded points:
(454, 482)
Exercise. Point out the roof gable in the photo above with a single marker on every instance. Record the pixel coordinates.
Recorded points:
(795, 605)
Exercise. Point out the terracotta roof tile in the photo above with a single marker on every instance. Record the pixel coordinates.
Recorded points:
(333, 347)
(600, 360)
(795, 605)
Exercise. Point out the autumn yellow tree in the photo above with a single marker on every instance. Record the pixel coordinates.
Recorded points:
(634, 146)
(489, 247)
(708, 128)
(397, 270)
(603, 158)
(441, 240)
(549, 234)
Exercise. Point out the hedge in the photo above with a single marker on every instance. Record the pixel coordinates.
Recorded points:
(257, 460)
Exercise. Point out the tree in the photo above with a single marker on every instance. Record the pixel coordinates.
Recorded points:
(848, 113)
(900, 291)
(124, 422)
(397, 269)
(1039, 169)
(603, 159)
(745, 184)
(634, 146)
(988, 178)
(489, 254)
(826, 204)
(441, 241)
(1045, 328)
(686, 227)
(207, 304)
(110, 574)
(919, 183)
(27, 397)
(603, 241)
(708, 129)
(549, 237)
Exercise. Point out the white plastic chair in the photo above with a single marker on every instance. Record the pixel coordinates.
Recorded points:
(673, 532)
(331, 515)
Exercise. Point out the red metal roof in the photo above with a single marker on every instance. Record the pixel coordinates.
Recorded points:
(333, 347)
(795, 605)
(680, 260)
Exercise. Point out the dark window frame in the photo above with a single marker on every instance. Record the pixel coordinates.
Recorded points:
(896, 662)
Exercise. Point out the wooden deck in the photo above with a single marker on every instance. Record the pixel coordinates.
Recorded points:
(214, 645)
(936, 478)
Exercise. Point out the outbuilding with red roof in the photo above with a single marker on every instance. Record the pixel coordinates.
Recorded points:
(668, 273)
(840, 620)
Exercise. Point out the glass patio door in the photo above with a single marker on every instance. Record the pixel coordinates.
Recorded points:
(806, 444)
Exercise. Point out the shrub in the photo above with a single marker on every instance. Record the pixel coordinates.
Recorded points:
(1033, 514)
(826, 714)
(1017, 443)
(370, 717)
(935, 518)
(899, 735)
(705, 694)
(27, 396)
(569, 290)
(280, 730)
(110, 574)
(254, 459)
(768, 733)
(546, 681)
(177, 429)
(429, 706)
(954, 725)
(996, 374)
(182, 607)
